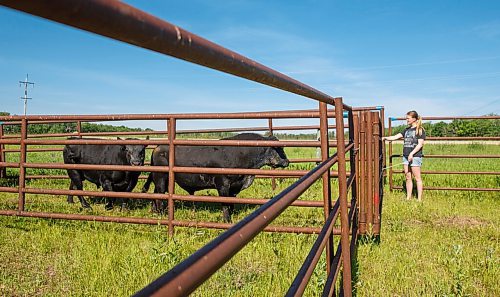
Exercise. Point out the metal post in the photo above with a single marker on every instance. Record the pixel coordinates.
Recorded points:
(389, 132)
(362, 172)
(3, 171)
(22, 160)
(327, 191)
(353, 159)
(171, 175)
(384, 157)
(344, 220)
(369, 171)
(79, 129)
(273, 179)
(376, 180)
(357, 146)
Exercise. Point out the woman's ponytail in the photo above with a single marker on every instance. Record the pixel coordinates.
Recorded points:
(420, 127)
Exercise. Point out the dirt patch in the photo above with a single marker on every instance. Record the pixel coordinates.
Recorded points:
(461, 221)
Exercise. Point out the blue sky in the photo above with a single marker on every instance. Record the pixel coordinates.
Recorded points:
(437, 57)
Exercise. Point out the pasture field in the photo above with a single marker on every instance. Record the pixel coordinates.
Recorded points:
(446, 246)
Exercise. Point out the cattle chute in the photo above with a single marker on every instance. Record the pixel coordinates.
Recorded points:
(122, 22)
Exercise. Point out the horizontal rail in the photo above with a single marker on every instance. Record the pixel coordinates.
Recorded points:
(52, 119)
(143, 221)
(456, 156)
(150, 196)
(192, 142)
(192, 131)
(463, 138)
(455, 189)
(177, 169)
(9, 190)
(457, 172)
(177, 116)
(287, 174)
(452, 118)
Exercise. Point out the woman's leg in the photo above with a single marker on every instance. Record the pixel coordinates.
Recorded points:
(418, 179)
(409, 182)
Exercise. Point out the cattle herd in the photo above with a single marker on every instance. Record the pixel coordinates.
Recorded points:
(186, 156)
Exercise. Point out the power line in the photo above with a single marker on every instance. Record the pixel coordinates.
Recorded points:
(481, 107)
(26, 83)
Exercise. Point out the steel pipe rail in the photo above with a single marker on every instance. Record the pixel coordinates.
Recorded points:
(177, 116)
(450, 118)
(143, 221)
(150, 196)
(86, 141)
(457, 156)
(457, 172)
(430, 138)
(455, 189)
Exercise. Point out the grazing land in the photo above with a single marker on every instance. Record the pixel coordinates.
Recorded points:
(446, 246)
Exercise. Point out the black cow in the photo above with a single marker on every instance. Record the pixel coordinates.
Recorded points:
(215, 156)
(100, 154)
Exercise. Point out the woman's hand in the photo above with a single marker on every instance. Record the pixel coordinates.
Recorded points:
(410, 157)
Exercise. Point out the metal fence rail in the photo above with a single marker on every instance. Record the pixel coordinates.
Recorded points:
(447, 156)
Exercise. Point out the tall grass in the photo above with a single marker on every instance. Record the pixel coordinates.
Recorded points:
(446, 246)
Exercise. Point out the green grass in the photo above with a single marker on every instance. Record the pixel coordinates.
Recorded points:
(446, 246)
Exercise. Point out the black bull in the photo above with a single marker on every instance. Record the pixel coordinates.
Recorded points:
(101, 154)
(215, 157)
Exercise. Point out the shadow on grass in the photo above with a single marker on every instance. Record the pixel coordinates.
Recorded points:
(9, 181)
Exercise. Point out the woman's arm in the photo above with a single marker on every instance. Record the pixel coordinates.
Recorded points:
(394, 137)
(416, 149)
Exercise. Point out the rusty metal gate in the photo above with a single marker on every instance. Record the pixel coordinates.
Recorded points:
(122, 22)
(448, 156)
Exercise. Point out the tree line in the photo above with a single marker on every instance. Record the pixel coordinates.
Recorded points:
(66, 128)
(465, 128)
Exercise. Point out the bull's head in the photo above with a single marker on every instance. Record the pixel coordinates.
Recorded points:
(277, 156)
(135, 153)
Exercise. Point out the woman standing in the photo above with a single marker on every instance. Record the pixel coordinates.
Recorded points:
(414, 136)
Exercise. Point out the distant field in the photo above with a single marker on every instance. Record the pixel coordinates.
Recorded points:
(446, 246)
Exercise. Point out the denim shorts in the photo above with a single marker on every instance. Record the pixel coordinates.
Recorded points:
(417, 161)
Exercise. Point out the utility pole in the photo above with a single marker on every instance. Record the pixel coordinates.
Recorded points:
(26, 83)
